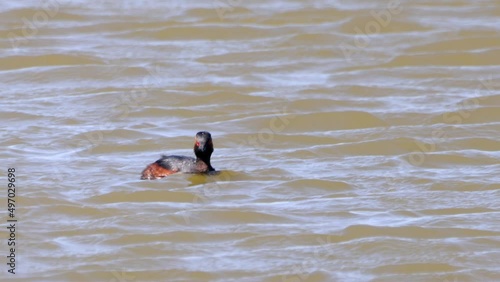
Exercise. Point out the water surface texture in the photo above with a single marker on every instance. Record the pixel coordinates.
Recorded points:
(358, 140)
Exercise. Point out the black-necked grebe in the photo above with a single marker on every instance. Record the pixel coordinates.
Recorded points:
(166, 165)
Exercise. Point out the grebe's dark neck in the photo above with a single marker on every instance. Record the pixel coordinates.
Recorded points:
(207, 162)
(203, 155)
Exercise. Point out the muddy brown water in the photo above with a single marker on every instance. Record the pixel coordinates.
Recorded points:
(357, 141)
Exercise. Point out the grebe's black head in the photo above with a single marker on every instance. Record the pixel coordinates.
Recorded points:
(203, 146)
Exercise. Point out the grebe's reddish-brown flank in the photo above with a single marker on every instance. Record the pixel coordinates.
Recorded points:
(166, 165)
